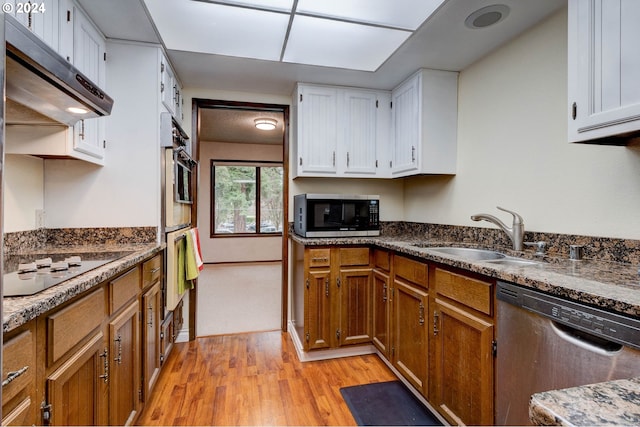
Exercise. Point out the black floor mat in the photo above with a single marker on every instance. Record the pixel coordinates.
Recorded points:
(387, 404)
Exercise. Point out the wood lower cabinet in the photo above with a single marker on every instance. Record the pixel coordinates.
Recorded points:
(380, 307)
(124, 349)
(410, 351)
(80, 363)
(338, 286)
(462, 388)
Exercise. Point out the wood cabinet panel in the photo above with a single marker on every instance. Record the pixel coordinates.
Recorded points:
(318, 310)
(77, 390)
(67, 327)
(353, 257)
(380, 311)
(410, 349)
(124, 341)
(355, 303)
(411, 270)
(151, 318)
(463, 365)
(123, 289)
(19, 367)
(473, 293)
(151, 271)
(382, 259)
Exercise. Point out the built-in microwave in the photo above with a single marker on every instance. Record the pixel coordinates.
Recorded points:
(336, 215)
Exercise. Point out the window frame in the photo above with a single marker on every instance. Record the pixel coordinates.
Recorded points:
(244, 163)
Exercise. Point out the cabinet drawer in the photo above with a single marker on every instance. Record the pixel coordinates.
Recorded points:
(151, 270)
(319, 257)
(473, 293)
(123, 289)
(18, 366)
(354, 256)
(411, 270)
(67, 327)
(20, 415)
(382, 259)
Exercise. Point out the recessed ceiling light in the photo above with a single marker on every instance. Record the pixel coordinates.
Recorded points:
(487, 16)
(265, 124)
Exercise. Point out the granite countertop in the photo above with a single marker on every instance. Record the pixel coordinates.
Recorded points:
(608, 285)
(613, 403)
(20, 310)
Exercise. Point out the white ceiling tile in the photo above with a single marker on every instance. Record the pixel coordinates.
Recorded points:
(407, 14)
(324, 42)
(218, 29)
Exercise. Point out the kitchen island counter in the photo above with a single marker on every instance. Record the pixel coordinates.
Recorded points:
(610, 403)
(20, 310)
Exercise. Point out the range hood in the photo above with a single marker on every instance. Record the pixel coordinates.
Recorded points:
(42, 87)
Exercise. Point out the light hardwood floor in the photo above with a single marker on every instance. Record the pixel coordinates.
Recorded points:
(255, 379)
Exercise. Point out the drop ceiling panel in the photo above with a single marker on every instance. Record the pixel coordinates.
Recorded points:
(280, 5)
(406, 14)
(219, 29)
(318, 41)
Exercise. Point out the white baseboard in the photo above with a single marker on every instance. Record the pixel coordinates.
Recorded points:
(308, 356)
(183, 335)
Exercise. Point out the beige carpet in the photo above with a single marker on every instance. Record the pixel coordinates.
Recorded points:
(235, 298)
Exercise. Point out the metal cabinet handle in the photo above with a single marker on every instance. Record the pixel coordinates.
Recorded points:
(105, 376)
(334, 158)
(384, 293)
(318, 259)
(413, 154)
(421, 314)
(150, 322)
(326, 287)
(347, 159)
(81, 132)
(435, 323)
(118, 358)
(11, 376)
(155, 270)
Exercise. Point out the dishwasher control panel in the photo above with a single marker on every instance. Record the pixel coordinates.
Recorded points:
(610, 326)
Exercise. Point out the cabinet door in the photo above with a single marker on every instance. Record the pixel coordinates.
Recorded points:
(318, 310)
(124, 388)
(89, 49)
(151, 311)
(405, 126)
(410, 350)
(463, 360)
(77, 390)
(603, 65)
(355, 306)
(359, 128)
(380, 311)
(41, 17)
(19, 377)
(317, 130)
(167, 86)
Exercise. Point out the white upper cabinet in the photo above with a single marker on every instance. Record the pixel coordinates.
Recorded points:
(603, 65)
(89, 56)
(424, 117)
(341, 131)
(170, 90)
(317, 130)
(41, 17)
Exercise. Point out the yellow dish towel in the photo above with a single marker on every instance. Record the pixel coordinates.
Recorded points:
(191, 264)
(182, 278)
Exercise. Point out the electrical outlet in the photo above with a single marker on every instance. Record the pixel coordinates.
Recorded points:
(40, 216)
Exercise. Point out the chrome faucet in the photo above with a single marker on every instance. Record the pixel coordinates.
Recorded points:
(515, 233)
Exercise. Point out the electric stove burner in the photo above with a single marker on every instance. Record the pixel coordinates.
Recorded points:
(28, 277)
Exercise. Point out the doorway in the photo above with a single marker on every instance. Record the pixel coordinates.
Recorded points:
(243, 225)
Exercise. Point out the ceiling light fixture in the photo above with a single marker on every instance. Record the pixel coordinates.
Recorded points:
(487, 16)
(77, 110)
(265, 124)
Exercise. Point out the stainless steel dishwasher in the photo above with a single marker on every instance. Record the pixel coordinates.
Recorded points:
(548, 343)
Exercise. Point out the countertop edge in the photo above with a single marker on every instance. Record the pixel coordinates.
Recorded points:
(20, 310)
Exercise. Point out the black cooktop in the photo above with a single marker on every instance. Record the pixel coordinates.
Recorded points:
(33, 273)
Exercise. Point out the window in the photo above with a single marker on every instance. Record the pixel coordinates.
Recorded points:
(247, 198)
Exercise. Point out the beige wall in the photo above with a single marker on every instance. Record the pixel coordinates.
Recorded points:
(513, 150)
(23, 191)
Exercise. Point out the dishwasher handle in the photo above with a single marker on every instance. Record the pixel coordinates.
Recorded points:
(586, 340)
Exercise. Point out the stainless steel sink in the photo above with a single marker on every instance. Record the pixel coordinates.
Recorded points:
(471, 254)
(514, 262)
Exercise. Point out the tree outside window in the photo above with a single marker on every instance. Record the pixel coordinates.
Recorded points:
(247, 198)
